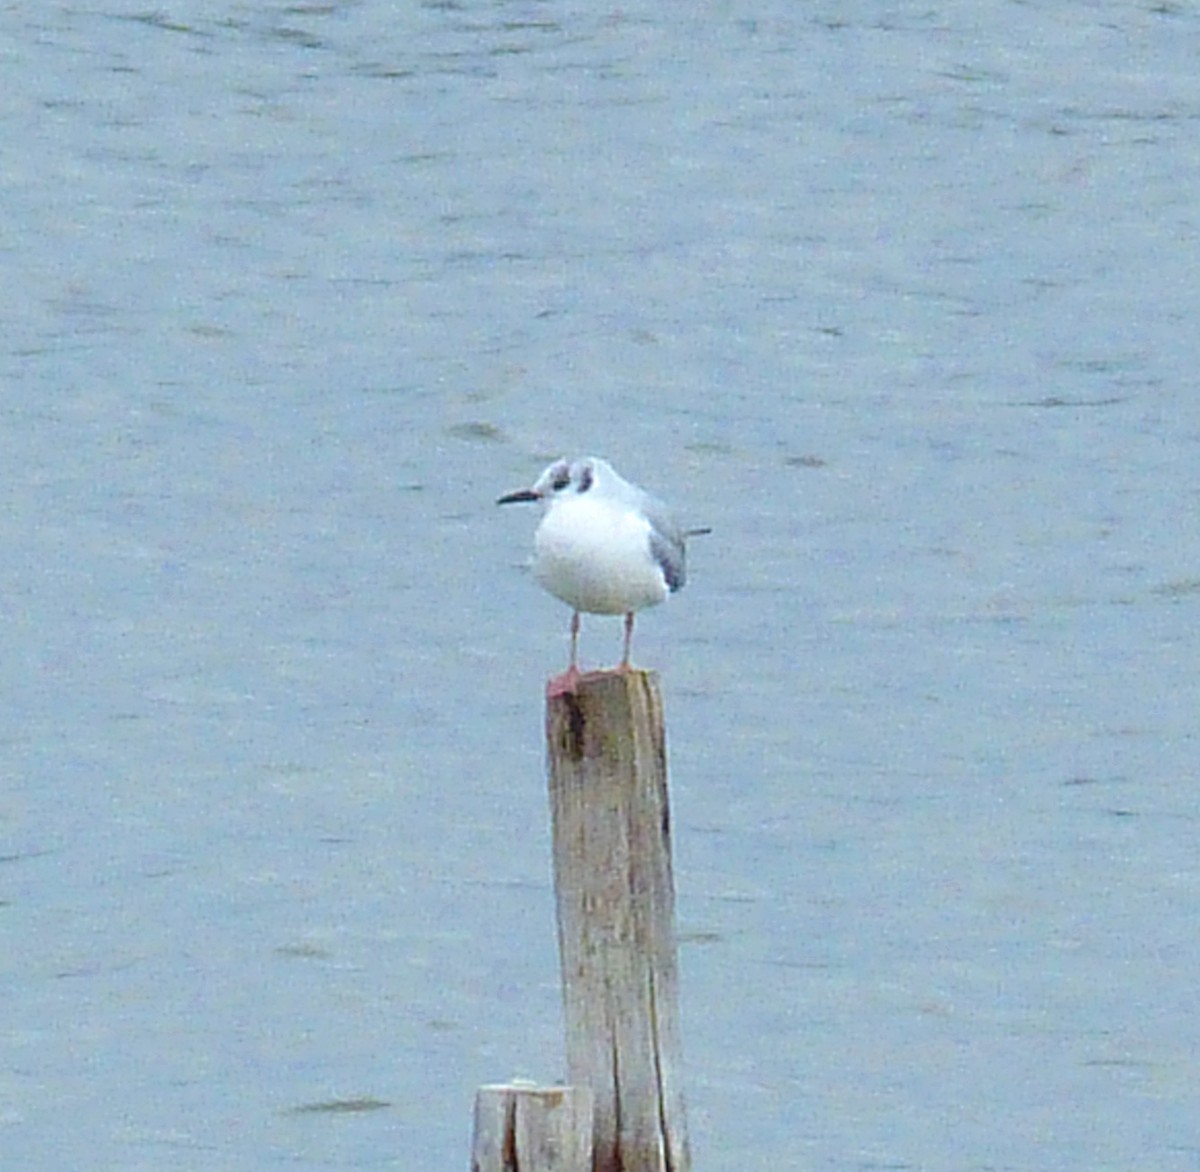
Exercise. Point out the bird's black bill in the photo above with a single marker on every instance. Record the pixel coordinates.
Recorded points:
(524, 494)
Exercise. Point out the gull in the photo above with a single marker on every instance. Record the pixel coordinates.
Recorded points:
(604, 546)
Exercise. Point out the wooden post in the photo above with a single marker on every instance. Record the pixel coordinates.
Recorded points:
(521, 1127)
(616, 915)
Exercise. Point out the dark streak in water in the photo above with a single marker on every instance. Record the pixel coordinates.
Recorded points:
(1059, 401)
(339, 1107)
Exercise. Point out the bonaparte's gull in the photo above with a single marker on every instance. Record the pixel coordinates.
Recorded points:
(604, 546)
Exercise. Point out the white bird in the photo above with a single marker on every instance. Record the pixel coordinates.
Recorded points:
(604, 546)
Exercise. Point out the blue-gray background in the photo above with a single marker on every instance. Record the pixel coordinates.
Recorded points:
(900, 298)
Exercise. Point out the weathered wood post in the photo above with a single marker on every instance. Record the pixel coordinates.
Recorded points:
(523, 1127)
(616, 916)
(615, 894)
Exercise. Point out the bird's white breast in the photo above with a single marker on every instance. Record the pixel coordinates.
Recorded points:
(596, 557)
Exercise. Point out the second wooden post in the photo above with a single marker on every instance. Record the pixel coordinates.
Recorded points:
(616, 916)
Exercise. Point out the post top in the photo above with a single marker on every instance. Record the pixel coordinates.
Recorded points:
(578, 682)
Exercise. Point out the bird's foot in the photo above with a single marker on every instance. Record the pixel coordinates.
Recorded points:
(565, 684)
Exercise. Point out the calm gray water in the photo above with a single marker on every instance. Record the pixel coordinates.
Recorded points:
(901, 299)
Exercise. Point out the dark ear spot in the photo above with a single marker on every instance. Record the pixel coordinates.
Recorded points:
(585, 478)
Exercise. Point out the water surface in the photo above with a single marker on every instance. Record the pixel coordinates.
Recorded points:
(899, 299)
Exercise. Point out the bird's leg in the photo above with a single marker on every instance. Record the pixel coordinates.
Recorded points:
(625, 664)
(565, 683)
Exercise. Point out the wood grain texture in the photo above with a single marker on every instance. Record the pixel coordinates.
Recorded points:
(616, 915)
(530, 1128)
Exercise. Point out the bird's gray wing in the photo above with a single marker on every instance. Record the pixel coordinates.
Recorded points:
(666, 542)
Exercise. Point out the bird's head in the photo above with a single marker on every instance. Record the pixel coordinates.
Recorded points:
(560, 479)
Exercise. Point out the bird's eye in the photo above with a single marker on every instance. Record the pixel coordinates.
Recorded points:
(561, 479)
(585, 480)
